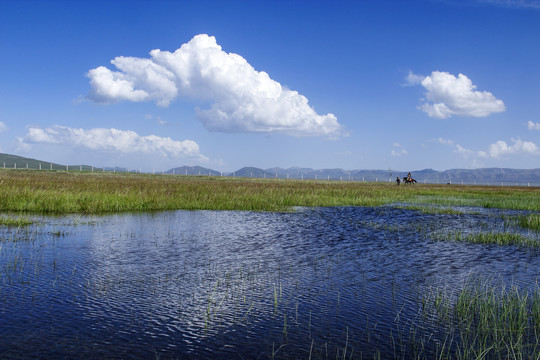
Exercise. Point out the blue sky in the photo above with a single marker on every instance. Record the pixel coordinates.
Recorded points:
(369, 84)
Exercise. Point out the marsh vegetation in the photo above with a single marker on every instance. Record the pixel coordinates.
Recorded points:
(90, 193)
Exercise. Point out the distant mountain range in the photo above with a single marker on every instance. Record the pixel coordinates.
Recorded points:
(493, 176)
(469, 176)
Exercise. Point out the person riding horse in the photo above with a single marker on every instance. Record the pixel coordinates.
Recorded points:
(409, 179)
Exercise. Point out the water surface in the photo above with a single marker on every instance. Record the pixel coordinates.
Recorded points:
(225, 284)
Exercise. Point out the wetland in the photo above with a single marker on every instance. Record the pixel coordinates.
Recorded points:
(425, 273)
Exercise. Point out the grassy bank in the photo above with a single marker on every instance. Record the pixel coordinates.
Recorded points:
(74, 192)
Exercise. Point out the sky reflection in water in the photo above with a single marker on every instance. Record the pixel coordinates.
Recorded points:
(210, 284)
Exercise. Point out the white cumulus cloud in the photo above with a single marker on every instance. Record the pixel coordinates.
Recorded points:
(113, 140)
(448, 95)
(519, 146)
(241, 98)
(3, 126)
(533, 126)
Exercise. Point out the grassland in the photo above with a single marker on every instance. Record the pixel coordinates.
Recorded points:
(63, 192)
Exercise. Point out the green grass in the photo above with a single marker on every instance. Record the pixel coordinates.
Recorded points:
(531, 221)
(86, 192)
(489, 319)
(434, 209)
(12, 221)
(498, 238)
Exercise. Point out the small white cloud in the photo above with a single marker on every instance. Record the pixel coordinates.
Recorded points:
(501, 148)
(445, 141)
(400, 151)
(79, 100)
(113, 140)
(413, 79)
(158, 119)
(467, 153)
(242, 99)
(463, 151)
(518, 4)
(3, 126)
(448, 95)
(533, 126)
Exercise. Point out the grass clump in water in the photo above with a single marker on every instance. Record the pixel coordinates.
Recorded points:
(14, 221)
(490, 320)
(434, 209)
(500, 197)
(531, 221)
(497, 238)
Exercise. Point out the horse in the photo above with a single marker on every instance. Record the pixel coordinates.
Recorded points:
(409, 181)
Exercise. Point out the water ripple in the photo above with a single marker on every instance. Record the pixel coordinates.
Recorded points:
(227, 284)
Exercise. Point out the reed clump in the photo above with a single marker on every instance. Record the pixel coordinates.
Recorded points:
(85, 192)
(490, 320)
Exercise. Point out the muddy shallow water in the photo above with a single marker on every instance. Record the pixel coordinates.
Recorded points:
(315, 283)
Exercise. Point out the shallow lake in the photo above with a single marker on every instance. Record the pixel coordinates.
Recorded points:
(341, 282)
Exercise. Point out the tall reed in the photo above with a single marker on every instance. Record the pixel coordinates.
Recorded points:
(490, 320)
